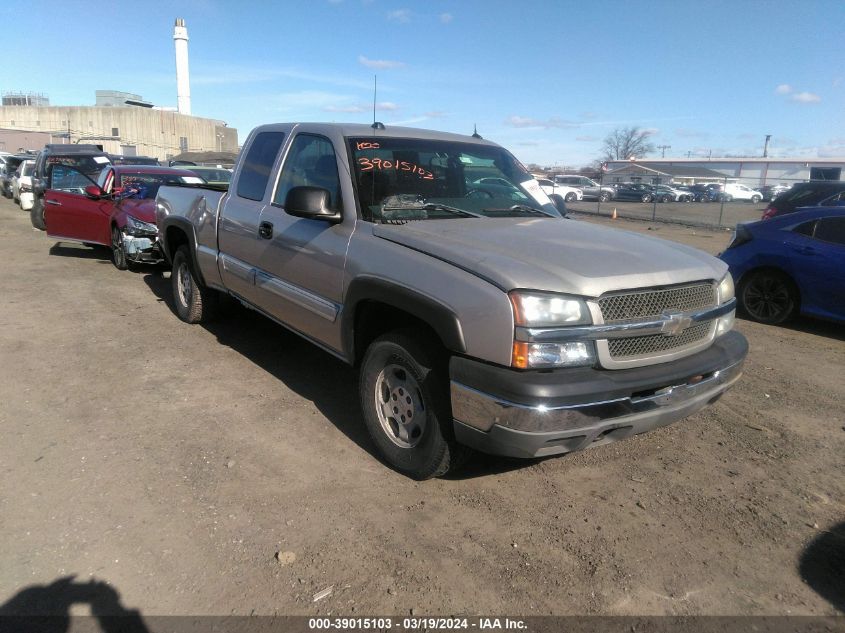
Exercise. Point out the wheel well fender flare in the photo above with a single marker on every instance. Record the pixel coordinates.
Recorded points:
(174, 232)
(438, 316)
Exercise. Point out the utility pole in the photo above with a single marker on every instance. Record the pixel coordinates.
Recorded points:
(664, 148)
(766, 146)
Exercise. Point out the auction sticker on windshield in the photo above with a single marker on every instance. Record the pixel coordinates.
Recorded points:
(535, 191)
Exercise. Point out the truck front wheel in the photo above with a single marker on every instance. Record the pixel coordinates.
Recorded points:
(404, 394)
(193, 300)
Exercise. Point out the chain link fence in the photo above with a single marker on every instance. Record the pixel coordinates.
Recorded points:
(724, 208)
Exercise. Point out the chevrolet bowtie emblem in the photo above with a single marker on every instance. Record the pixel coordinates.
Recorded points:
(674, 323)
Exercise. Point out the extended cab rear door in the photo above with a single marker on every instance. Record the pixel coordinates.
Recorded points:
(238, 240)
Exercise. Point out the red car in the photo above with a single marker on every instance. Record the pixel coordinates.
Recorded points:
(117, 211)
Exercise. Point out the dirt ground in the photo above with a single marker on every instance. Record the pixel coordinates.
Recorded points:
(173, 462)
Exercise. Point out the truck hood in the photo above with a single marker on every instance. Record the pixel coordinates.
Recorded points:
(565, 256)
(144, 210)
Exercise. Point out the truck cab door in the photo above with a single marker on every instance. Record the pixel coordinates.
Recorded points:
(300, 273)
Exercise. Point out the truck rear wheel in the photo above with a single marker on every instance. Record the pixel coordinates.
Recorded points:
(194, 302)
(404, 394)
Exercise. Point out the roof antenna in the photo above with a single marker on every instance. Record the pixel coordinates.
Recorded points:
(475, 133)
(377, 125)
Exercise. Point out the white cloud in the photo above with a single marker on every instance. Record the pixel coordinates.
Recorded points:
(783, 89)
(379, 64)
(445, 18)
(436, 114)
(554, 122)
(288, 101)
(685, 132)
(349, 109)
(587, 139)
(388, 106)
(651, 131)
(402, 16)
(806, 97)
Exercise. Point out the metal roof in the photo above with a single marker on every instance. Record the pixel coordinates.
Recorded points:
(680, 171)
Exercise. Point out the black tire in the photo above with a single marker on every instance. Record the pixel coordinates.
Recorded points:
(195, 302)
(755, 199)
(604, 196)
(570, 197)
(118, 252)
(36, 215)
(768, 296)
(405, 369)
(646, 197)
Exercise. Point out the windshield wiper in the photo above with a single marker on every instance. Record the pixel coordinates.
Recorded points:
(523, 208)
(436, 206)
(400, 211)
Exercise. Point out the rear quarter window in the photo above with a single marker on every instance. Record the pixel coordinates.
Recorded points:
(257, 165)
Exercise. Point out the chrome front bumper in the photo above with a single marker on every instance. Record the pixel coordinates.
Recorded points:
(541, 427)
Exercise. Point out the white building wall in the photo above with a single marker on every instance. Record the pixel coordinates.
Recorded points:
(152, 132)
(752, 172)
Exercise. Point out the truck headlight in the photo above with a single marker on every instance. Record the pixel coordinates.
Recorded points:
(542, 309)
(549, 310)
(726, 289)
(725, 293)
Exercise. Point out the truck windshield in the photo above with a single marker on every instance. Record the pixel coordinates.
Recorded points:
(430, 179)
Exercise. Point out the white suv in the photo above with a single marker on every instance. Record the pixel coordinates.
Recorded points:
(736, 191)
(569, 194)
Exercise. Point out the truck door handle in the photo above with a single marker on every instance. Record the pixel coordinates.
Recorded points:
(54, 202)
(265, 230)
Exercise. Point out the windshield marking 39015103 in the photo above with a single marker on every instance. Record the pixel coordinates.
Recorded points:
(440, 179)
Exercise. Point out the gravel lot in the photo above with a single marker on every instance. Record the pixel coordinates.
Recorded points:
(173, 462)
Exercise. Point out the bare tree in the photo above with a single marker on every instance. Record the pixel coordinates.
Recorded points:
(627, 142)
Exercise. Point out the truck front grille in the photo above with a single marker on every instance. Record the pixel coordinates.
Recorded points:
(622, 348)
(652, 303)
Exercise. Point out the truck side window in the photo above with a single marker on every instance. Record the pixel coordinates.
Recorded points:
(258, 163)
(311, 162)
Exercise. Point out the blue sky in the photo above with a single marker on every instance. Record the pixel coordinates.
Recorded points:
(547, 79)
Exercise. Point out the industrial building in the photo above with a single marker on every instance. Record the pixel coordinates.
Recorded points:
(122, 122)
(128, 130)
(754, 172)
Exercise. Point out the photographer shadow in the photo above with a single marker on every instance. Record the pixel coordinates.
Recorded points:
(46, 609)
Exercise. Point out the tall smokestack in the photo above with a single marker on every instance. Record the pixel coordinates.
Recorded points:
(183, 81)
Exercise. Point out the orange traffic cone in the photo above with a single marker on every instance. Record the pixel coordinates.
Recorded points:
(613, 217)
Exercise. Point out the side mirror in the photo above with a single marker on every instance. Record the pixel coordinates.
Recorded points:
(312, 203)
(93, 192)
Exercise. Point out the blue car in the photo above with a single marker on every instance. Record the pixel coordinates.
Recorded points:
(790, 264)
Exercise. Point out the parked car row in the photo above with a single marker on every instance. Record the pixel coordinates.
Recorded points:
(80, 193)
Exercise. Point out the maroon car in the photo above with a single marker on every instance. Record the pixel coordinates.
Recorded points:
(117, 211)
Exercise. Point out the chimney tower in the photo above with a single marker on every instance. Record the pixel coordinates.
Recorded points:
(183, 81)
